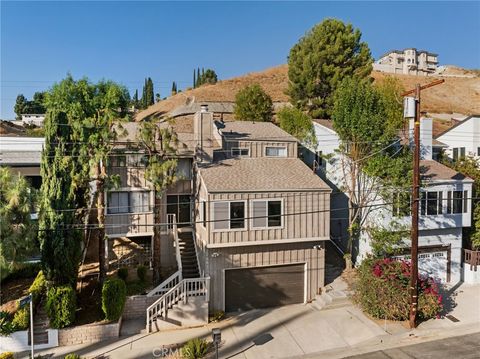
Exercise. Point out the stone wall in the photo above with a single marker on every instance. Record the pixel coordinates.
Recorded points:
(136, 306)
(89, 333)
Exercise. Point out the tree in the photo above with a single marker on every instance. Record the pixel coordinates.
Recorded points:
(318, 63)
(159, 143)
(135, 102)
(20, 106)
(174, 88)
(18, 230)
(298, 124)
(253, 104)
(207, 77)
(157, 97)
(194, 79)
(23, 105)
(365, 121)
(80, 131)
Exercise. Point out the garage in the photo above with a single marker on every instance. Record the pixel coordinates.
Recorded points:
(433, 262)
(264, 287)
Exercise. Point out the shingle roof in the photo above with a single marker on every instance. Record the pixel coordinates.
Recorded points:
(20, 157)
(326, 123)
(435, 171)
(260, 174)
(259, 131)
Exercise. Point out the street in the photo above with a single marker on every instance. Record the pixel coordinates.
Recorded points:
(462, 347)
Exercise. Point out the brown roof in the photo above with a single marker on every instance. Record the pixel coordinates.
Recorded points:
(435, 171)
(260, 174)
(326, 123)
(250, 130)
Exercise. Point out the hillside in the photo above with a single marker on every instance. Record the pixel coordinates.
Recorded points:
(456, 95)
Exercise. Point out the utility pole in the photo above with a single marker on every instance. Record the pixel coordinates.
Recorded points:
(416, 201)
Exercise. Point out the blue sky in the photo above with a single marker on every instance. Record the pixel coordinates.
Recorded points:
(127, 41)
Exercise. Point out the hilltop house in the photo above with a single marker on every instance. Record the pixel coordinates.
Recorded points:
(408, 61)
(462, 139)
(244, 228)
(445, 207)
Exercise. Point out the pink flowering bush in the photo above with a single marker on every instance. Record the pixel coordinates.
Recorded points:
(382, 290)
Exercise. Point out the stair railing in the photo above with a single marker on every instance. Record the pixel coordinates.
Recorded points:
(176, 277)
(191, 287)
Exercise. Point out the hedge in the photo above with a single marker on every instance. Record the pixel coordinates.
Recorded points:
(61, 306)
(383, 290)
(122, 273)
(21, 319)
(114, 294)
(38, 287)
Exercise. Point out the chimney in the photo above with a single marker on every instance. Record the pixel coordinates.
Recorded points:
(426, 135)
(203, 128)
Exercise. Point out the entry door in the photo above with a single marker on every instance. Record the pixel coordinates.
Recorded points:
(264, 287)
(180, 205)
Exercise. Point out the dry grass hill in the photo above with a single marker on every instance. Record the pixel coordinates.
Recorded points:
(456, 95)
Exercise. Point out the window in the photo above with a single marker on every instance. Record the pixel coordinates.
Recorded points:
(478, 151)
(184, 169)
(136, 160)
(180, 206)
(431, 203)
(118, 160)
(457, 202)
(266, 213)
(228, 215)
(276, 151)
(401, 204)
(240, 152)
(458, 153)
(128, 202)
(318, 159)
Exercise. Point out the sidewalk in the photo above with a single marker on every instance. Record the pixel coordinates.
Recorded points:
(297, 331)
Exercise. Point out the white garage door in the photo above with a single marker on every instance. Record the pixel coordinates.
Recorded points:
(434, 264)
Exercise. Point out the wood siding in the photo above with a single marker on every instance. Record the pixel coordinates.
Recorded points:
(257, 148)
(218, 260)
(312, 219)
(126, 224)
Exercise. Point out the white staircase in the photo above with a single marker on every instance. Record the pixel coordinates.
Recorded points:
(186, 304)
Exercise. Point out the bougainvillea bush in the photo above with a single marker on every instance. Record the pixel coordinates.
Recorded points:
(382, 290)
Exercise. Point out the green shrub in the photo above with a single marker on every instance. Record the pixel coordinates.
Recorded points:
(61, 305)
(72, 356)
(195, 348)
(38, 287)
(21, 319)
(123, 273)
(7, 355)
(252, 103)
(382, 291)
(6, 326)
(217, 316)
(114, 293)
(142, 273)
(28, 270)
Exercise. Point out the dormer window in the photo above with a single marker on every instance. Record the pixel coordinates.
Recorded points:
(240, 152)
(276, 151)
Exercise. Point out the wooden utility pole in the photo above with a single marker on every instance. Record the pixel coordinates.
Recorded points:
(416, 201)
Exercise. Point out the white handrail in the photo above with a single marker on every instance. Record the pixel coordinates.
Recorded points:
(191, 287)
(176, 277)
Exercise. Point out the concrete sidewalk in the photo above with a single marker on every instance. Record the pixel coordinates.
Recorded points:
(297, 331)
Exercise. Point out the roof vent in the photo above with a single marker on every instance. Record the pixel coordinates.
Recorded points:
(204, 108)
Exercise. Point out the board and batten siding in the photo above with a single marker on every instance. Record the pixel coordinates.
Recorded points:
(220, 259)
(304, 215)
(257, 148)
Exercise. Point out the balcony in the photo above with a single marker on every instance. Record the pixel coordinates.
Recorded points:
(471, 258)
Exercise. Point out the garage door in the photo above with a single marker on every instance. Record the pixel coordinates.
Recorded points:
(433, 264)
(264, 287)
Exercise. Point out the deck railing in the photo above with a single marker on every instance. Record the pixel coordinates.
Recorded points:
(472, 258)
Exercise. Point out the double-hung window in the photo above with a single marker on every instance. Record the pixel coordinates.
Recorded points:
(458, 153)
(266, 213)
(228, 215)
(457, 202)
(276, 151)
(431, 203)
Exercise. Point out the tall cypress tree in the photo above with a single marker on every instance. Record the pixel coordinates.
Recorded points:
(194, 79)
(198, 77)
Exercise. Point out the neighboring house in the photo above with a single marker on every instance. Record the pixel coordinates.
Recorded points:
(20, 152)
(251, 218)
(33, 119)
(462, 139)
(408, 61)
(445, 206)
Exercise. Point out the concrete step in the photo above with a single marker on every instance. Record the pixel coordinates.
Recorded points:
(331, 300)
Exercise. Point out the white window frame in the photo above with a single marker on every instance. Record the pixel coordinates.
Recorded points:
(278, 147)
(129, 190)
(240, 149)
(282, 213)
(213, 219)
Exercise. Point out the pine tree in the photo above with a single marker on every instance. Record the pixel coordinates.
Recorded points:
(135, 102)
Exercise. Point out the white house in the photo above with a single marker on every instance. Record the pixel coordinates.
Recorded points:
(445, 206)
(462, 139)
(33, 119)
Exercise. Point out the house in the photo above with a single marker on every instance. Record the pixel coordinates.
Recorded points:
(445, 207)
(408, 62)
(462, 139)
(244, 227)
(33, 119)
(20, 152)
